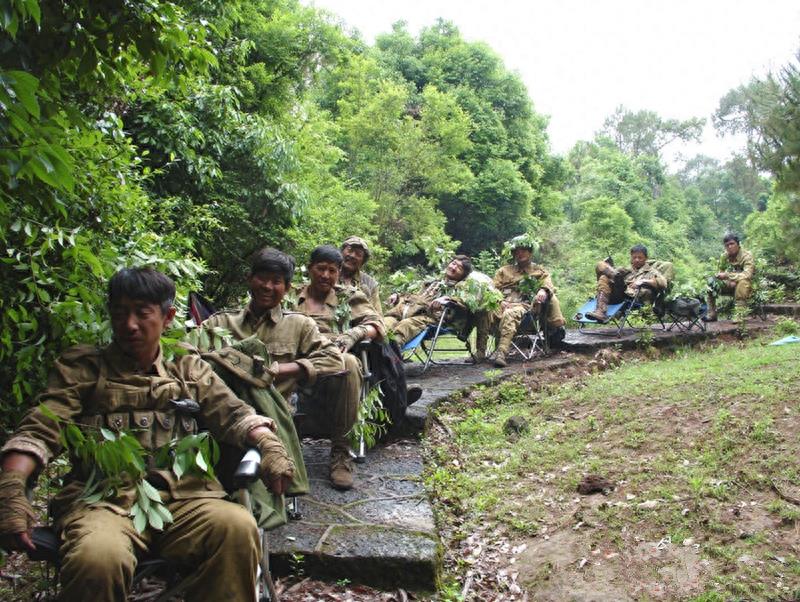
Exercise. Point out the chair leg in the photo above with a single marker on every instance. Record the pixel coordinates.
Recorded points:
(265, 578)
(433, 343)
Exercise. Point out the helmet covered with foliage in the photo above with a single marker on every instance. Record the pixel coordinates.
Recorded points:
(523, 241)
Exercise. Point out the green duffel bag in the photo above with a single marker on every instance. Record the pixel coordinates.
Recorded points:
(685, 307)
(242, 367)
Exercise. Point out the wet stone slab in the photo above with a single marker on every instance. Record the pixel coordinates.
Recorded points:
(380, 533)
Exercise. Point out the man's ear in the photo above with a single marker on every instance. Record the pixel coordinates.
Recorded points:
(169, 315)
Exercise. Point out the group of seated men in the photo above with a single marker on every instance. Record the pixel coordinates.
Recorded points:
(129, 384)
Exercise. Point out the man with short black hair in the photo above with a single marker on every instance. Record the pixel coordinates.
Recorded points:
(303, 354)
(734, 278)
(412, 313)
(128, 385)
(355, 253)
(614, 285)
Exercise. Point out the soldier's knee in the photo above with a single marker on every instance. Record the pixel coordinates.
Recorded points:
(742, 291)
(237, 524)
(99, 557)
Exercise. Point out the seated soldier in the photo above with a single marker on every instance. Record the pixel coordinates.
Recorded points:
(356, 253)
(342, 313)
(735, 276)
(302, 353)
(130, 383)
(525, 287)
(410, 314)
(616, 285)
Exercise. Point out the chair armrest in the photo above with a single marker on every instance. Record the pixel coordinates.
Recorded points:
(248, 470)
(47, 545)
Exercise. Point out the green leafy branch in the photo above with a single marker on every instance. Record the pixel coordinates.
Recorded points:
(529, 286)
(116, 461)
(372, 420)
(343, 314)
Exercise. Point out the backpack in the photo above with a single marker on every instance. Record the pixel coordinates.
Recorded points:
(386, 364)
(685, 307)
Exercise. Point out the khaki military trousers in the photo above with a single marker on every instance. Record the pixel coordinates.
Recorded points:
(740, 291)
(407, 328)
(218, 541)
(340, 396)
(616, 289)
(512, 316)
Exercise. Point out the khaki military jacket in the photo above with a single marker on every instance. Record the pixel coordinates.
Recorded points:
(346, 308)
(646, 273)
(419, 303)
(369, 286)
(742, 267)
(289, 337)
(508, 278)
(101, 387)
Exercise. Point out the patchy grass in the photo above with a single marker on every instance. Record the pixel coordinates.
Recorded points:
(702, 448)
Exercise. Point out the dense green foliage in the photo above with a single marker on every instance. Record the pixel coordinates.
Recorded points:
(189, 134)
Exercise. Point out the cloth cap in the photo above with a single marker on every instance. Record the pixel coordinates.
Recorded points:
(355, 241)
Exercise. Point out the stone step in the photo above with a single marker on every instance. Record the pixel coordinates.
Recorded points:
(380, 533)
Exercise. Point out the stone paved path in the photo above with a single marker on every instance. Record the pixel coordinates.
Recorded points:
(382, 533)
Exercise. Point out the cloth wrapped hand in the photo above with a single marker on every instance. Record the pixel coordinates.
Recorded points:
(275, 462)
(16, 512)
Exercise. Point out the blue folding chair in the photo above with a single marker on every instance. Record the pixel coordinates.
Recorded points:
(618, 313)
(423, 345)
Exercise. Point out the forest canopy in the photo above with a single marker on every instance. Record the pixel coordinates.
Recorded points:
(187, 135)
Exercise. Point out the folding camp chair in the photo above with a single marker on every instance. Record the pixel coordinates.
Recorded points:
(618, 313)
(685, 314)
(47, 545)
(424, 344)
(533, 335)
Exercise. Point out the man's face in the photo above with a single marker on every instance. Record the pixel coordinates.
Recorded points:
(267, 290)
(354, 257)
(323, 274)
(138, 325)
(638, 259)
(522, 255)
(454, 270)
(732, 248)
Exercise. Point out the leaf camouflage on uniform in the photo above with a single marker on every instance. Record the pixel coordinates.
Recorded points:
(114, 460)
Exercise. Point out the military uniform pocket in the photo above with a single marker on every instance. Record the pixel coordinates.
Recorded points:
(164, 425)
(118, 421)
(142, 426)
(188, 426)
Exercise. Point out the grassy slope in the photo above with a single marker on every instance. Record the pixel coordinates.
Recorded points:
(693, 443)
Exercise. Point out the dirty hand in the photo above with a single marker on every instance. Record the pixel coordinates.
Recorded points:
(393, 299)
(16, 513)
(277, 468)
(345, 342)
(439, 302)
(722, 275)
(541, 295)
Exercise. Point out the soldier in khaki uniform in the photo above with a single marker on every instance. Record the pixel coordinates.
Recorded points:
(736, 270)
(128, 385)
(509, 280)
(615, 285)
(356, 253)
(410, 314)
(301, 352)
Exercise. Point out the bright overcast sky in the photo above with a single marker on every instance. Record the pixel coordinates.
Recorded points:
(580, 59)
